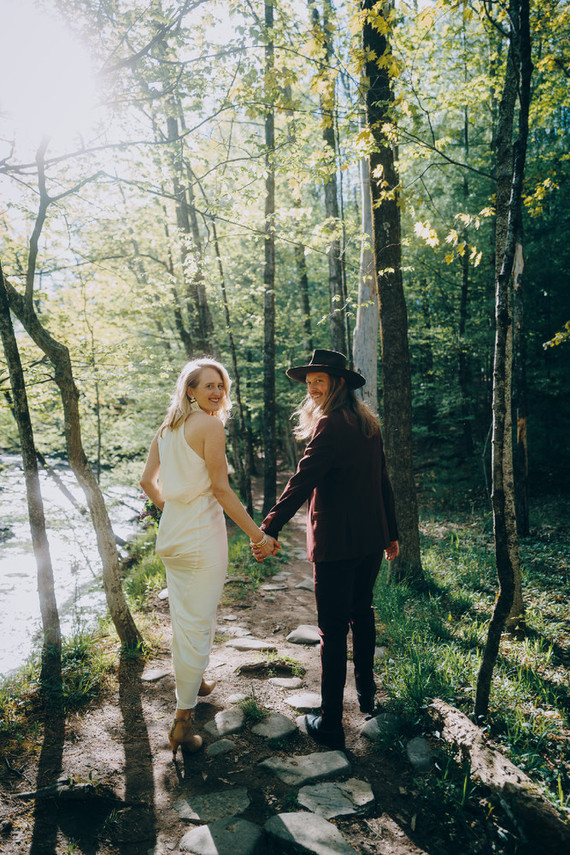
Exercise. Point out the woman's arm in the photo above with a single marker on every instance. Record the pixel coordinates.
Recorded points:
(149, 478)
(215, 459)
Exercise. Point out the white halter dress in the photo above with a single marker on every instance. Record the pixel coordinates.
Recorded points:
(192, 543)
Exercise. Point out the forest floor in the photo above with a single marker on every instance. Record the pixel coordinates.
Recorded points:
(119, 744)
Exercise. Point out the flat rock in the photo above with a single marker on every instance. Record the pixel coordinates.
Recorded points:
(379, 652)
(307, 584)
(273, 586)
(222, 746)
(251, 644)
(235, 631)
(275, 726)
(226, 722)
(163, 595)
(385, 724)
(419, 754)
(345, 798)
(307, 833)
(229, 836)
(304, 701)
(304, 634)
(213, 806)
(310, 767)
(155, 674)
(237, 698)
(287, 682)
(281, 577)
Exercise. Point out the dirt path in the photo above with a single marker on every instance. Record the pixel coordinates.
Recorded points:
(121, 745)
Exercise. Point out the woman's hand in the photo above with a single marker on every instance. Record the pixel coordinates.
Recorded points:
(392, 551)
(268, 546)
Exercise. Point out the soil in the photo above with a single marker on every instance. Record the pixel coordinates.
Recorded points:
(120, 745)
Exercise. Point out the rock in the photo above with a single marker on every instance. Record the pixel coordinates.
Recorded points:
(304, 634)
(385, 724)
(155, 674)
(213, 806)
(307, 584)
(222, 746)
(267, 668)
(235, 631)
(330, 799)
(310, 767)
(273, 586)
(275, 726)
(281, 577)
(229, 836)
(237, 698)
(307, 833)
(226, 722)
(419, 754)
(287, 682)
(379, 652)
(163, 595)
(251, 644)
(304, 701)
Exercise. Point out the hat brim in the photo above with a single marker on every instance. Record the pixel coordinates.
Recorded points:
(299, 373)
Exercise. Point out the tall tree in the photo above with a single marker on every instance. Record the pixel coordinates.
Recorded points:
(365, 339)
(51, 649)
(504, 522)
(396, 374)
(269, 407)
(323, 35)
(24, 309)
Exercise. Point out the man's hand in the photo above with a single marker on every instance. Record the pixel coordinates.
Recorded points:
(269, 546)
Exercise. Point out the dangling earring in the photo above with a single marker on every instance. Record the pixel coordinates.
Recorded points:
(194, 405)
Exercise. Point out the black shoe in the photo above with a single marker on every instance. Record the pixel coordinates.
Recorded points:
(331, 737)
(366, 700)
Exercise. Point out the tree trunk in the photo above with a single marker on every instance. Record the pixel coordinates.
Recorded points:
(327, 100)
(269, 410)
(519, 399)
(23, 308)
(301, 263)
(396, 372)
(365, 347)
(51, 650)
(241, 439)
(541, 823)
(506, 544)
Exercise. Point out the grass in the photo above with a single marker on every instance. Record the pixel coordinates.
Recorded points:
(434, 642)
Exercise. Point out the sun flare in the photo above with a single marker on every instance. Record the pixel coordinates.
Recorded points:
(46, 79)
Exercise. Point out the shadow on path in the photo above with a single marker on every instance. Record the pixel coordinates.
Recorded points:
(134, 826)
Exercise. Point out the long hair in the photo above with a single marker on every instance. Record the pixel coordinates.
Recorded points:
(339, 397)
(180, 407)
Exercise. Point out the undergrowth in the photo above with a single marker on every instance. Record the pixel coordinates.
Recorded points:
(434, 642)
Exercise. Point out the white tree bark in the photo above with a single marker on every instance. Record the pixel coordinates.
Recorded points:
(365, 338)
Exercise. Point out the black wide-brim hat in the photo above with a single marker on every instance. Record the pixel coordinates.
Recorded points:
(331, 362)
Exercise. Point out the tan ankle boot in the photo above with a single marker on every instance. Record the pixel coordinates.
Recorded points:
(182, 733)
(206, 688)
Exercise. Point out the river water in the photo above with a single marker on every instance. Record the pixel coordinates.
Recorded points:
(75, 558)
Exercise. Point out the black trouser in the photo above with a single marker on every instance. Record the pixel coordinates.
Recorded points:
(343, 591)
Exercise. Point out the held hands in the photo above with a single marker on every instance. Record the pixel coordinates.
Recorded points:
(266, 546)
(392, 551)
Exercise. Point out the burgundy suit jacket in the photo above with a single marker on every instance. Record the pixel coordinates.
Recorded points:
(351, 504)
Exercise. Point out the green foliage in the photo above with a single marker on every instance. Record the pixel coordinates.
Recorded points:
(253, 711)
(434, 642)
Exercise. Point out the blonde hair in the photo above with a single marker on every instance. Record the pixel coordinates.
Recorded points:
(339, 397)
(180, 406)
